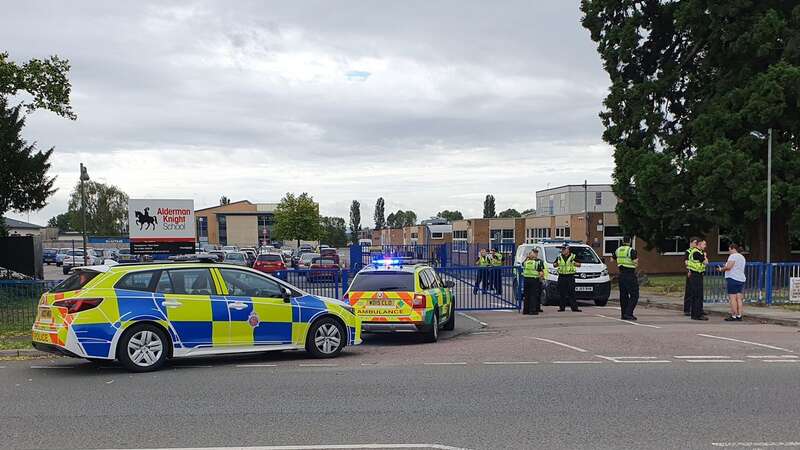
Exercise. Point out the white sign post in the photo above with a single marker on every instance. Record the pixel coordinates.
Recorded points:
(161, 226)
(794, 290)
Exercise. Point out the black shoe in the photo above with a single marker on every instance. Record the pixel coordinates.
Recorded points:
(700, 318)
(739, 319)
(540, 310)
(687, 314)
(730, 319)
(634, 318)
(561, 309)
(576, 310)
(627, 318)
(535, 314)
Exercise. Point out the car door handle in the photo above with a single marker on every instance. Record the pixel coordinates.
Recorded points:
(237, 305)
(171, 303)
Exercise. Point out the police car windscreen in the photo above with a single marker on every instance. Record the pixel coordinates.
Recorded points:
(383, 281)
(584, 255)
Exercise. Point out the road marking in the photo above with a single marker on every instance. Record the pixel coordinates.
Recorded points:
(746, 342)
(714, 360)
(577, 362)
(476, 320)
(369, 364)
(630, 360)
(701, 357)
(52, 367)
(608, 307)
(478, 333)
(511, 363)
(756, 444)
(323, 447)
(109, 381)
(444, 364)
(2, 367)
(577, 349)
(318, 365)
(256, 365)
(781, 360)
(772, 356)
(192, 367)
(630, 322)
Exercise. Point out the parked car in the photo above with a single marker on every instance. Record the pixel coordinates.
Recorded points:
(287, 255)
(297, 255)
(75, 259)
(329, 252)
(49, 255)
(237, 258)
(251, 256)
(269, 263)
(124, 255)
(60, 255)
(305, 260)
(322, 269)
(219, 253)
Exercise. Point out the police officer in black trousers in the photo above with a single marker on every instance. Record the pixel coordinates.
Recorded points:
(686, 294)
(627, 261)
(532, 274)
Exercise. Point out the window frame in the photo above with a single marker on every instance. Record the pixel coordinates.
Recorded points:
(214, 287)
(616, 238)
(676, 252)
(155, 276)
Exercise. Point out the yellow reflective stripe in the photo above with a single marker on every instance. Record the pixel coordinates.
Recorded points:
(222, 288)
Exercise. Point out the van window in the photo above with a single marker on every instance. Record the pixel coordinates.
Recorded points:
(583, 254)
(383, 281)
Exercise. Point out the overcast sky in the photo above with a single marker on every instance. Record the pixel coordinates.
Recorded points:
(430, 104)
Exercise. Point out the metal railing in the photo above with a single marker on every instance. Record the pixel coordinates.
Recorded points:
(766, 283)
(18, 300)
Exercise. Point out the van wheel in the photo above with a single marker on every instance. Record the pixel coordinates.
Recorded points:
(431, 335)
(450, 325)
(143, 348)
(600, 301)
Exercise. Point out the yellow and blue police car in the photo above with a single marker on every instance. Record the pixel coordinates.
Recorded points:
(143, 314)
(392, 295)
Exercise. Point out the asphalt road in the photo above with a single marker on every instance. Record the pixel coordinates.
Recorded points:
(557, 381)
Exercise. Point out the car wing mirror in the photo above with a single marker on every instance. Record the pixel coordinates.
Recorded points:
(287, 295)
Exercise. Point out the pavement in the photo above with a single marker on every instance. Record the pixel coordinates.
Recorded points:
(560, 380)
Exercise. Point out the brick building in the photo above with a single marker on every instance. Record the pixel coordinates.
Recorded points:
(241, 223)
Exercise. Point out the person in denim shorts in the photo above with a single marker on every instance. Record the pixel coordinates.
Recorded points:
(734, 282)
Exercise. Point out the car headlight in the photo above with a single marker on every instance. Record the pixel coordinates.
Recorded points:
(604, 273)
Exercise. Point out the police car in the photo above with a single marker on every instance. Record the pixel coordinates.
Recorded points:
(592, 281)
(394, 295)
(143, 314)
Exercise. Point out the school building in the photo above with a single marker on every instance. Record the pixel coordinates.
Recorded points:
(242, 223)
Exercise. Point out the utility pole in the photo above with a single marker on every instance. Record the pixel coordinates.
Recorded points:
(769, 198)
(84, 177)
(586, 208)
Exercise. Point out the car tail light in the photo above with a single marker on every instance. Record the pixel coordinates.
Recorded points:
(420, 301)
(75, 305)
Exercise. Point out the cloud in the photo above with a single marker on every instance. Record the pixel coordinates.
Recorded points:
(428, 104)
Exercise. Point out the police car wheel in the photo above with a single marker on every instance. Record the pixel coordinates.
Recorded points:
(326, 338)
(432, 334)
(450, 325)
(143, 348)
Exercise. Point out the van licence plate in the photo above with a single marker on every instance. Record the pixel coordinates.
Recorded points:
(584, 288)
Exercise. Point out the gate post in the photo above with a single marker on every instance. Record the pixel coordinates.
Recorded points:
(768, 283)
(442, 255)
(356, 256)
(344, 282)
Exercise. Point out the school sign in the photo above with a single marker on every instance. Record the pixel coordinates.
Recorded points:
(161, 226)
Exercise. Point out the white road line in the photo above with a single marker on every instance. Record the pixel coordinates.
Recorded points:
(629, 322)
(577, 362)
(256, 365)
(444, 364)
(773, 356)
(369, 364)
(608, 307)
(324, 447)
(193, 367)
(2, 367)
(756, 444)
(476, 320)
(635, 357)
(746, 342)
(626, 360)
(52, 367)
(317, 365)
(714, 360)
(510, 363)
(577, 349)
(781, 360)
(701, 357)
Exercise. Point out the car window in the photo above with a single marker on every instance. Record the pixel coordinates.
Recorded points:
(425, 281)
(234, 257)
(75, 281)
(270, 257)
(435, 283)
(584, 255)
(186, 281)
(383, 281)
(137, 281)
(248, 284)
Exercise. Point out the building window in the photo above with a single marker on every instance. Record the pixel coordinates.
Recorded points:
(563, 232)
(794, 244)
(222, 226)
(532, 234)
(674, 246)
(265, 222)
(437, 235)
(598, 198)
(724, 241)
(612, 239)
(202, 229)
(414, 235)
(551, 205)
(460, 241)
(562, 203)
(502, 237)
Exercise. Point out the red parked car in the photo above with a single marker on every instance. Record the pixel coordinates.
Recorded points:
(322, 269)
(269, 263)
(330, 253)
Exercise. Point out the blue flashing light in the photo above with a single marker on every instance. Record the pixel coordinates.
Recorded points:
(386, 262)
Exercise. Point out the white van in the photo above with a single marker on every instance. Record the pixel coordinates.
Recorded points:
(591, 282)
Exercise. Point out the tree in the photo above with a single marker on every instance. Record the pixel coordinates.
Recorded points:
(380, 222)
(333, 231)
(509, 213)
(355, 221)
(390, 221)
(44, 80)
(488, 207)
(62, 221)
(528, 211)
(450, 216)
(409, 218)
(106, 208)
(695, 87)
(24, 184)
(401, 219)
(224, 201)
(297, 218)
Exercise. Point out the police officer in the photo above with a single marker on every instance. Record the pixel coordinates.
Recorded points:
(627, 260)
(698, 259)
(686, 298)
(481, 279)
(567, 267)
(533, 274)
(496, 260)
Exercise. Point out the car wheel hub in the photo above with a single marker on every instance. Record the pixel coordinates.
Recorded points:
(145, 348)
(327, 338)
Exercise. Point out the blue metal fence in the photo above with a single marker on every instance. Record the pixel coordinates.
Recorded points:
(766, 283)
(456, 254)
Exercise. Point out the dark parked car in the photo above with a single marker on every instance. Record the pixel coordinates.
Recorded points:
(49, 255)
